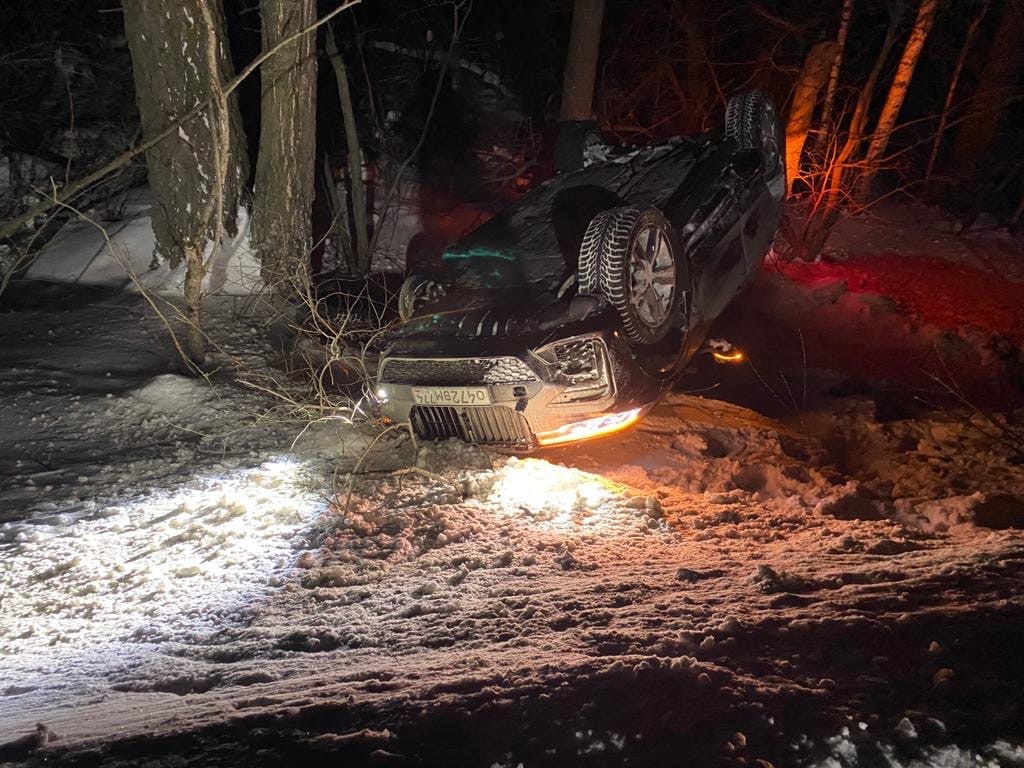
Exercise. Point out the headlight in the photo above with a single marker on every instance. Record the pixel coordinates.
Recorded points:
(581, 366)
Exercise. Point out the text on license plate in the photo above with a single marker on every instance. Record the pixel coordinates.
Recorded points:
(451, 396)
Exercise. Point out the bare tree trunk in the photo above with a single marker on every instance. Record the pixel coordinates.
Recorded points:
(898, 91)
(195, 339)
(581, 63)
(282, 215)
(855, 134)
(339, 213)
(837, 64)
(361, 257)
(697, 74)
(954, 81)
(169, 47)
(823, 217)
(999, 76)
(197, 176)
(805, 97)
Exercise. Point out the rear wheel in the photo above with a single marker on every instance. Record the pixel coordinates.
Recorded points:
(751, 122)
(630, 256)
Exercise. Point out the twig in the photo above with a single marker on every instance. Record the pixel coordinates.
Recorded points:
(355, 470)
(766, 384)
(803, 353)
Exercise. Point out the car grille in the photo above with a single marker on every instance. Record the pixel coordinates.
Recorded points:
(484, 425)
(457, 372)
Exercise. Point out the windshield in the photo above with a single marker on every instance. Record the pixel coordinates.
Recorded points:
(484, 267)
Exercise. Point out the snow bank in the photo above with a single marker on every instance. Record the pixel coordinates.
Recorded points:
(121, 253)
(173, 395)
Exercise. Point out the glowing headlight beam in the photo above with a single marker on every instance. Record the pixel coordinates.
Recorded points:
(552, 497)
(588, 428)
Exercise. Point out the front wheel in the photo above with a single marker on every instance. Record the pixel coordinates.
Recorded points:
(631, 257)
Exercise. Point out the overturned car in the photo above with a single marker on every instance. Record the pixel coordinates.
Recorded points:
(570, 314)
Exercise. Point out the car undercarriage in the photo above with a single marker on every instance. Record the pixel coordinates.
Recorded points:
(570, 314)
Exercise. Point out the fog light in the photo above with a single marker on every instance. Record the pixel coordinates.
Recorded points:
(588, 428)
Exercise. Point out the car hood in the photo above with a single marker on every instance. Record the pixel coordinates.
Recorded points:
(498, 324)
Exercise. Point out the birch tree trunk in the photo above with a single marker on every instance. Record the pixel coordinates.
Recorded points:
(859, 119)
(897, 92)
(805, 98)
(196, 175)
(823, 217)
(282, 212)
(837, 64)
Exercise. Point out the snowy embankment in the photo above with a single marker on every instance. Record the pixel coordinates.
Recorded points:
(119, 255)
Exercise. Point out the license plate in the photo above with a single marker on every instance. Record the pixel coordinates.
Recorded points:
(451, 396)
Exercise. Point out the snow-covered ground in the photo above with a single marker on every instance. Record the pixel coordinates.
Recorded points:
(841, 585)
(119, 254)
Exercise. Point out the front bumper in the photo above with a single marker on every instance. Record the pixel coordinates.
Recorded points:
(530, 400)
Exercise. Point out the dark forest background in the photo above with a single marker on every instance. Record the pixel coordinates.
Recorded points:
(913, 98)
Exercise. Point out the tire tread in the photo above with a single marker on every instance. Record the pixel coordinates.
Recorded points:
(604, 263)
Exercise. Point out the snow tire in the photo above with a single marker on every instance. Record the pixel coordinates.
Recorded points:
(589, 253)
(751, 122)
(630, 247)
(415, 290)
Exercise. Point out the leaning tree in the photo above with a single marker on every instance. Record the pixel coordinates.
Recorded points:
(897, 92)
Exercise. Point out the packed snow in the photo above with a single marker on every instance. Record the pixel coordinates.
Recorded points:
(97, 585)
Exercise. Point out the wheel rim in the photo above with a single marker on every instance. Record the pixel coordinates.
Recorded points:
(652, 274)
